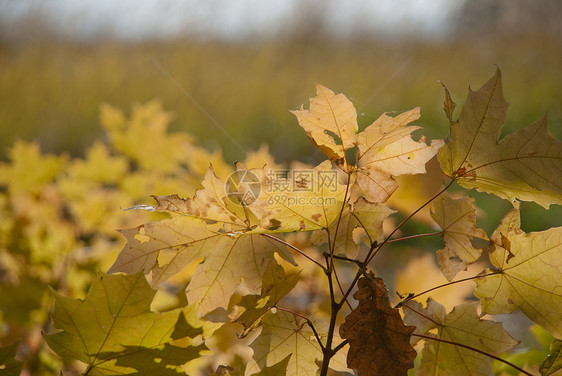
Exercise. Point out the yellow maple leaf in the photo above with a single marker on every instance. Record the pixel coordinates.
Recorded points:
(384, 149)
(457, 219)
(330, 123)
(530, 274)
(283, 334)
(311, 202)
(525, 165)
(462, 325)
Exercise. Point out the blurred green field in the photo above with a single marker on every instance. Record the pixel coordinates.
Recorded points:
(51, 91)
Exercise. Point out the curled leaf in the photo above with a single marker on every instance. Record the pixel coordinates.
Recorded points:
(552, 365)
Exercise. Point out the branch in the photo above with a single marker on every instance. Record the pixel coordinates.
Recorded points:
(340, 346)
(335, 308)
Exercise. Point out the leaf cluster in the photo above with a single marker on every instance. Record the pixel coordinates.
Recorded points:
(236, 245)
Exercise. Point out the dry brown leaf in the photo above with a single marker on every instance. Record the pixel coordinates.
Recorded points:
(378, 339)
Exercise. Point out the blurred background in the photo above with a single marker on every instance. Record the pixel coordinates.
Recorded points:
(245, 64)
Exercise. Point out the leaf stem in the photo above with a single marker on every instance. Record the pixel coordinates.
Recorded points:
(294, 248)
(474, 349)
(340, 286)
(443, 285)
(351, 286)
(343, 258)
(333, 245)
(428, 318)
(373, 251)
(414, 236)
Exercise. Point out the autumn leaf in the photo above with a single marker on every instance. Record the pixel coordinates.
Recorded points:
(308, 201)
(99, 166)
(363, 220)
(415, 190)
(167, 246)
(29, 170)
(125, 337)
(378, 339)
(375, 185)
(243, 258)
(448, 104)
(424, 319)
(525, 165)
(457, 219)
(422, 273)
(552, 365)
(386, 147)
(275, 286)
(209, 227)
(330, 123)
(209, 204)
(184, 239)
(529, 277)
(282, 335)
(462, 325)
(278, 369)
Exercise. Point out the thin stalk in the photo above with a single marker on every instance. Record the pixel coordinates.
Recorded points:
(333, 245)
(340, 287)
(372, 253)
(428, 318)
(443, 285)
(476, 350)
(335, 307)
(294, 248)
(351, 286)
(414, 236)
(354, 261)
